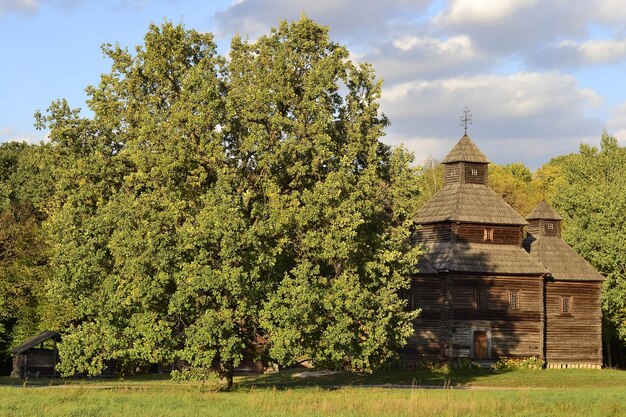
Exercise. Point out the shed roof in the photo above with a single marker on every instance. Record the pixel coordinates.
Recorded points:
(486, 258)
(543, 211)
(465, 151)
(34, 341)
(560, 259)
(472, 203)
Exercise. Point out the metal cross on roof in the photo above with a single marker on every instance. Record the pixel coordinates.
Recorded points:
(466, 119)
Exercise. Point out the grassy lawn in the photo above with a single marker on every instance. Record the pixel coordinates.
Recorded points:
(575, 392)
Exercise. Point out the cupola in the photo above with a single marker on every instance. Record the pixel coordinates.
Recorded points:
(544, 220)
(465, 164)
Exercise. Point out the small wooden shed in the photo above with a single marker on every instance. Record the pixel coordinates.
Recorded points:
(32, 358)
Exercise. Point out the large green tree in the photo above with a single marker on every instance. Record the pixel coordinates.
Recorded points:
(25, 188)
(592, 199)
(210, 204)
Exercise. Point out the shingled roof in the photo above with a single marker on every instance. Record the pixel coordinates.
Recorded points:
(483, 258)
(560, 259)
(472, 203)
(543, 211)
(465, 151)
(34, 341)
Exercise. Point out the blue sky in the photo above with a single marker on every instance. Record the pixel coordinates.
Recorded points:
(541, 76)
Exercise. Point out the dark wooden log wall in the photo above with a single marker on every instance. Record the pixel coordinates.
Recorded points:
(576, 337)
(505, 235)
(452, 173)
(514, 333)
(434, 232)
(480, 178)
(538, 226)
(40, 362)
(426, 341)
(461, 172)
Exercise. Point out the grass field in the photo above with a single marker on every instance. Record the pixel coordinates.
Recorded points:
(486, 393)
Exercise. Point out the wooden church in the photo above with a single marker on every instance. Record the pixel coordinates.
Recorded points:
(488, 288)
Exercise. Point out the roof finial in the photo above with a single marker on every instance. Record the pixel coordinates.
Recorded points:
(466, 119)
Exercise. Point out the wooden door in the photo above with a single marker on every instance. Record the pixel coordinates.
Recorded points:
(480, 344)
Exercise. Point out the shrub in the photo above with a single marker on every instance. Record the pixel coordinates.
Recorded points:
(532, 362)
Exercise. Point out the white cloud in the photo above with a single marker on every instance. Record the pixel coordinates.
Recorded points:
(609, 11)
(461, 45)
(483, 11)
(598, 51)
(6, 131)
(9, 134)
(425, 57)
(569, 53)
(33, 139)
(353, 19)
(515, 27)
(518, 95)
(616, 125)
(602, 51)
(524, 108)
(28, 6)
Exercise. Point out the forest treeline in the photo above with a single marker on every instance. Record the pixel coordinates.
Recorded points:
(208, 204)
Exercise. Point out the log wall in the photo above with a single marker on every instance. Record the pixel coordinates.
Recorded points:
(449, 316)
(538, 327)
(452, 173)
(426, 341)
(504, 235)
(512, 333)
(538, 226)
(434, 232)
(575, 337)
(462, 172)
(481, 171)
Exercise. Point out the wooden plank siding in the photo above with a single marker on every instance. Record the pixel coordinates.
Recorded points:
(434, 232)
(512, 332)
(450, 315)
(503, 235)
(426, 340)
(575, 337)
(463, 172)
(479, 169)
(452, 174)
(540, 226)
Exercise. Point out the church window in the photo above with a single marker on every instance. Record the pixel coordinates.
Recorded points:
(488, 234)
(513, 300)
(567, 304)
(474, 172)
(479, 299)
(550, 226)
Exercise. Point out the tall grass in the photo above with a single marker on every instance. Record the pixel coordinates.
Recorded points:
(357, 402)
(567, 393)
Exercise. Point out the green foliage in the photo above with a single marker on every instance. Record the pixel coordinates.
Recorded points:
(592, 199)
(465, 364)
(516, 185)
(533, 362)
(430, 180)
(209, 205)
(25, 185)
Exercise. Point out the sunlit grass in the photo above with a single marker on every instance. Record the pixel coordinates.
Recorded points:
(574, 392)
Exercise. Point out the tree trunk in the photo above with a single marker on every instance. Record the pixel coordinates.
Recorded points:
(230, 371)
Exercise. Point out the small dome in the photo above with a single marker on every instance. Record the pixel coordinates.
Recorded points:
(543, 211)
(465, 151)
